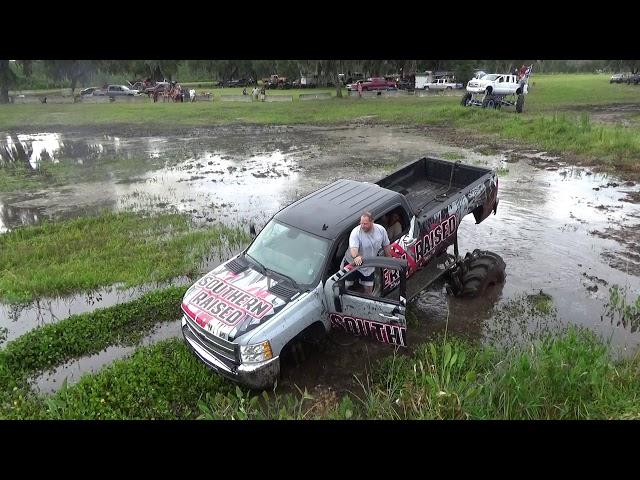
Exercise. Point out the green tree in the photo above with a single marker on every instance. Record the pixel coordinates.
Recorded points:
(72, 70)
(8, 77)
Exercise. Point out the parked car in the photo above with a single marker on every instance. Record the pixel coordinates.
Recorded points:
(375, 83)
(116, 91)
(157, 88)
(88, 91)
(633, 78)
(290, 285)
(618, 78)
(242, 82)
(442, 84)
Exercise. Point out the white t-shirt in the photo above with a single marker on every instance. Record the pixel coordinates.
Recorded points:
(367, 243)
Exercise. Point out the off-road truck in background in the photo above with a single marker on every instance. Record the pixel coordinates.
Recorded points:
(288, 284)
(497, 90)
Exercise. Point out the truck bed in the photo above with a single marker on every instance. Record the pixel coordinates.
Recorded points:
(427, 182)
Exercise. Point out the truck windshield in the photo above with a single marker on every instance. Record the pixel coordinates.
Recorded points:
(491, 77)
(290, 251)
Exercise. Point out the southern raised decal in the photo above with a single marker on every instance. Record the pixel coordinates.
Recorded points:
(361, 327)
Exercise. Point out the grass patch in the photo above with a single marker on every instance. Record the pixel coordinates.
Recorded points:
(566, 377)
(77, 336)
(165, 381)
(488, 150)
(88, 333)
(542, 302)
(162, 381)
(57, 258)
(452, 156)
(502, 171)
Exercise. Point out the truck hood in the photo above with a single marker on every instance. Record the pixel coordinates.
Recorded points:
(479, 83)
(228, 304)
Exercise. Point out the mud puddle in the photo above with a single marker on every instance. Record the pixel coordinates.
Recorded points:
(232, 176)
(16, 320)
(616, 113)
(568, 232)
(50, 382)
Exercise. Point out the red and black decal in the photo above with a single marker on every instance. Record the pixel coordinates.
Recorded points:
(425, 246)
(361, 327)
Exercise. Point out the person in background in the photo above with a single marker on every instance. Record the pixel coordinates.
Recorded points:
(394, 229)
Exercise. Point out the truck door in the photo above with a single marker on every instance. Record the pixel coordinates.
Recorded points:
(370, 315)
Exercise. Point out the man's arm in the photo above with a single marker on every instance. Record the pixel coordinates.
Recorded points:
(386, 244)
(354, 247)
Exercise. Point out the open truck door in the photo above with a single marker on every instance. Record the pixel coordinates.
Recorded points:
(370, 315)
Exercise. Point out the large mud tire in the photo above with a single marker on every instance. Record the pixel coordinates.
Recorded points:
(481, 270)
(520, 103)
(489, 102)
(465, 100)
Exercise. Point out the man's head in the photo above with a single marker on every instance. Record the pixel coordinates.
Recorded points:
(366, 221)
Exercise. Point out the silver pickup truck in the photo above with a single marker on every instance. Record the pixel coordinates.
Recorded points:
(442, 84)
(289, 285)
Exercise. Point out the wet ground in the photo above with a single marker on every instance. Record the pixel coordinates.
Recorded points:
(568, 231)
(625, 114)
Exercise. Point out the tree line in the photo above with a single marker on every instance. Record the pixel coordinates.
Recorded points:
(27, 74)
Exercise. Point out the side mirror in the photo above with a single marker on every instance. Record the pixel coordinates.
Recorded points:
(252, 230)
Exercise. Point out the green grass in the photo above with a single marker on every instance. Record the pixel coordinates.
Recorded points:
(88, 333)
(58, 258)
(80, 335)
(568, 377)
(563, 90)
(452, 156)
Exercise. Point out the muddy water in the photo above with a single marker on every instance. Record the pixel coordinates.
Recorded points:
(566, 231)
(51, 381)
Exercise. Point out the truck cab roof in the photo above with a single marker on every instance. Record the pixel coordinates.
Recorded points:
(334, 208)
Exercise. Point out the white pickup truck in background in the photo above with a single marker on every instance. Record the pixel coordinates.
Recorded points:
(505, 84)
(441, 84)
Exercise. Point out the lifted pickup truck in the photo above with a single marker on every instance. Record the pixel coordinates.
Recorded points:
(497, 90)
(288, 285)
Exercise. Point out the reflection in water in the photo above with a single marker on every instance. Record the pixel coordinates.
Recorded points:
(11, 216)
(72, 371)
(20, 319)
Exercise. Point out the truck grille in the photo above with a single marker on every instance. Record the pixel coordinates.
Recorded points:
(224, 350)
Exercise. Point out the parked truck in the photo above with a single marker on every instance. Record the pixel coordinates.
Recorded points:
(116, 91)
(442, 84)
(288, 286)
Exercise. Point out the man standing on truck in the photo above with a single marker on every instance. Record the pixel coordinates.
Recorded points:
(365, 241)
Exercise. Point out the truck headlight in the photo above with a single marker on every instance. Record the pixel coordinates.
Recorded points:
(256, 353)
